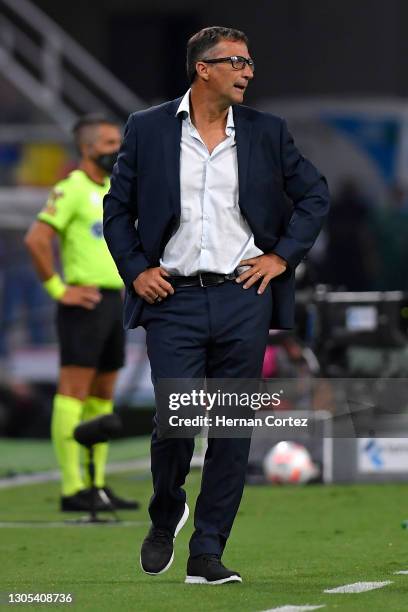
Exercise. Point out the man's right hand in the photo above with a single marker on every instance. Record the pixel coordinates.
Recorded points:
(85, 296)
(152, 286)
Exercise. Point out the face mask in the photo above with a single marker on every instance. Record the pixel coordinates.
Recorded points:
(106, 161)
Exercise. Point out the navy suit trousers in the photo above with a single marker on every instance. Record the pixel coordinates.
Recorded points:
(213, 332)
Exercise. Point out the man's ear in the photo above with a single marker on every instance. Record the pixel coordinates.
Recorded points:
(202, 70)
(86, 150)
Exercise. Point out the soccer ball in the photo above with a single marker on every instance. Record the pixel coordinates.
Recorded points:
(288, 462)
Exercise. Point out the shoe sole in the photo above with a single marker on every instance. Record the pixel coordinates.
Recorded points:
(180, 525)
(202, 580)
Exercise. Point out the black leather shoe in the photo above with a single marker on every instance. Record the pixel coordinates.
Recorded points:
(157, 552)
(81, 502)
(118, 502)
(208, 569)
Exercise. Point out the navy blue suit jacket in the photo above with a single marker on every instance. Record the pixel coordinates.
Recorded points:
(281, 195)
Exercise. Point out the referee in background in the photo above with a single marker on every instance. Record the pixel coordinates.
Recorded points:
(89, 312)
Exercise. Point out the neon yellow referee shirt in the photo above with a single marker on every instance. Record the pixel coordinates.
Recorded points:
(75, 209)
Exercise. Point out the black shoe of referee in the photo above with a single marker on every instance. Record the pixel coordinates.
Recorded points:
(81, 502)
(119, 503)
(208, 569)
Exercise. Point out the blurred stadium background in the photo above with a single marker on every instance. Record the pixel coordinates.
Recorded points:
(339, 73)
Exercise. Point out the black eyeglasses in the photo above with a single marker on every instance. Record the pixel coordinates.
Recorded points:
(238, 62)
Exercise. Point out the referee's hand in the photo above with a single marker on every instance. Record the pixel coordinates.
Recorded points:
(87, 297)
(152, 286)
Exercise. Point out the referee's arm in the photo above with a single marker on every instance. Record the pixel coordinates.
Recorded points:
(39, 243)
(38, 240)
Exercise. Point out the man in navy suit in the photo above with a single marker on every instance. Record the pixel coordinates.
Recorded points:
(210, 210)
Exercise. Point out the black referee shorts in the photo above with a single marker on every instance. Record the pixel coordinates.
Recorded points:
(92, 338)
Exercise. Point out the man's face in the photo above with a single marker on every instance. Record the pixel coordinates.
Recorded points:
(222, 79)
(107, 140)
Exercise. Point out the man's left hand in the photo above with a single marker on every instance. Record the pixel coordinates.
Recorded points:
(264, 266)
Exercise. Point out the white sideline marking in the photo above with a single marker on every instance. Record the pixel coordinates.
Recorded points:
(402, 572)
(57, 524)
(359, 587)
(294, 608)
(53, 475)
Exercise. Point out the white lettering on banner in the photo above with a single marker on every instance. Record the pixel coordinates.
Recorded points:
(382, 455)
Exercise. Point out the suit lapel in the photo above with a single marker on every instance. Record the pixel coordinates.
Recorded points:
(171, 146)
(243, 133)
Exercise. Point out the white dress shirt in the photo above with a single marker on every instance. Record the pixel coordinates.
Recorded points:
(213, 236)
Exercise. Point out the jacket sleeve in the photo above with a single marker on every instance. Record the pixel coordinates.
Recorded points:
(308, 190)
(120, 211)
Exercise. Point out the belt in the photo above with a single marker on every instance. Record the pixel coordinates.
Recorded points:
(203, 279)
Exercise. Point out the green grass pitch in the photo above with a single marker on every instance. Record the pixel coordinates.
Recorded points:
(288, 543)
